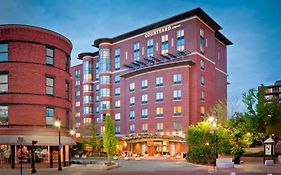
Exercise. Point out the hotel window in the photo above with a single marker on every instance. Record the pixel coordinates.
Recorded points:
(105, 92)
(117, 59)
(88, 99)
(77, 122)
(136, 51)
(177, 110)
(102, 129)
(49, 86)
(132, 128)
(77, 75)
(117, 79)
(144, 113)
(104, 63)
(105, 79)
(202, 111)
(3, 52)
(132, 115)
(177, 126)
(159, 112)
(67, 59)
(159, 127)
(105, 105)
(177, 78)
(117, 130)
(87, 110)
(117, 91)
(87, 121)
(87, 71)
(3, 82)
(159, 81)
(149, 47)
(202, 65)
(67, 90)
(117, 104)
(202, 41)
(202, 80)
(97, 88)
(132, 87)
(144, 127)
(97, 70)
(164, 44)
(159, 96)
(88, 88)
(144, 99)
(49, 116)
(49, 56)
(144, 84)
(97, 109)
(117, 117)
(177, 94)
(132, 101)
(180, 40)
(202, 97)
(97, 98)
(4, 115)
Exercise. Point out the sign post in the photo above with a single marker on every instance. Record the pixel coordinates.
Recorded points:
(20, 142)
(269, 149)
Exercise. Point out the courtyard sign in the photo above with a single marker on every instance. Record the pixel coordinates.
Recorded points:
(160, 30)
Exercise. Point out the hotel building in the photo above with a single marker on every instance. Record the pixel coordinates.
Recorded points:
(35, 91)
(154, 81)
(274, 91)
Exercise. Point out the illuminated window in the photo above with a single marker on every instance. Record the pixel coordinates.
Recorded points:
(88, 88)
(177, 78)
(177, 110)
(180, 40)
(149, 47)
(144, 127)
(117, 117)
(144, 99)
(144, 113)
(177, 94)
(164, 44)
(3, 52)
(87, 110)
(117, 59)
(159, 127)
(102, 129)
(202, 111)
(132, 115)
(136, 51)
(132, 87)
(144, 84)
(159, 81)
(104, 62)
(50, 56)
(87, 71)
(87, 121)
(132, 101)
(4, 82)
(159, 112)
(159, 97)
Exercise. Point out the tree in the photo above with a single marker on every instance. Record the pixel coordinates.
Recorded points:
(109, 139)
(219, 111)
(90, 139)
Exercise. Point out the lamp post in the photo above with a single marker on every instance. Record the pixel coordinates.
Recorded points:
(213, 121)
(57, 124)
(72, 133)
(33, 157)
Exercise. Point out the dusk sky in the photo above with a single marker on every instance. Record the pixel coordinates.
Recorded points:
(253, 26)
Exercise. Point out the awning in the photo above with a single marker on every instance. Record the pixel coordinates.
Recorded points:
(42, 140)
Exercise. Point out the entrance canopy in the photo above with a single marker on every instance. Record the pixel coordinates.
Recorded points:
(152, 137)
(42, 140)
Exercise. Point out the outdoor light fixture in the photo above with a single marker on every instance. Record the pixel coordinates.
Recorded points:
(58, 124)
(72, 132)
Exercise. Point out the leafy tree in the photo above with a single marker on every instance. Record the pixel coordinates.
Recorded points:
(90, 139)
(109, 139)
(204, 143)
(219, 111)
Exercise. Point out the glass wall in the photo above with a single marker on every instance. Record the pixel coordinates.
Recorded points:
(104, 60)
(88, 70)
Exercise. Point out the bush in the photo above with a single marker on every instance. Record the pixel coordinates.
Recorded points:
(255, 154)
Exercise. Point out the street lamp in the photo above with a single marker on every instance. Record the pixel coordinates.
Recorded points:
(58, 124)
(213, 121)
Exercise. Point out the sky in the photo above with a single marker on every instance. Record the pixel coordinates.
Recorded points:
(254, 26)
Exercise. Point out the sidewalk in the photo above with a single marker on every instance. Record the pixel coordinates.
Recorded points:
(258, 167)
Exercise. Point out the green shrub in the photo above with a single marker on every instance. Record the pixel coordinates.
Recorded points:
(255, 154)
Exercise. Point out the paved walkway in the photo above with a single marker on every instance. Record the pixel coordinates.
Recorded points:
(155, 167)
